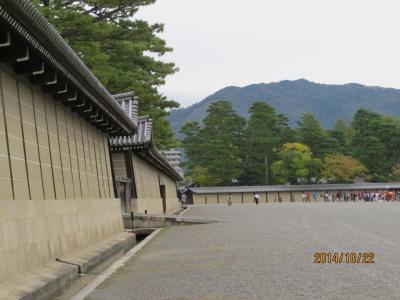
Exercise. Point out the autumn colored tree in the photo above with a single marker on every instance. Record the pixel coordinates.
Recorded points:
(340, 168)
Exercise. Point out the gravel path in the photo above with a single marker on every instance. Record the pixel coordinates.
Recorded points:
(267, 252)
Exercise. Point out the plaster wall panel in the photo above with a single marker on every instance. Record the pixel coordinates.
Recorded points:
(15, 136)
(285, 196)
(199, 198)
(103, 159)
(31, 143)
(46, 229)
(54, 147)
(147, 185)
(147, 182)
(263, 198)
(298, 196)
(272, 197)
(109, 171)
(73, 154)
(43, 141)
(172, 201)
(6, 192)
(93, 159)
(99, 163)
(64, 152)
(248, 198)
(211, 198)
(223, 198)
(88, 160)
(237, 198)
(81, 156)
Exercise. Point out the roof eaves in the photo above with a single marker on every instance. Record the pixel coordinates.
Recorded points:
(25, 20)
(298, 188)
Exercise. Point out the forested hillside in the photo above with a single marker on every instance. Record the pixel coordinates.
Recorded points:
(263, 149)
(293, 98)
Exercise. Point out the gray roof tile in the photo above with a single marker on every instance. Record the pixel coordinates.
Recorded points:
(293, 188)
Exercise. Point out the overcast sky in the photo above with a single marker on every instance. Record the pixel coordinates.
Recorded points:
(228, 42)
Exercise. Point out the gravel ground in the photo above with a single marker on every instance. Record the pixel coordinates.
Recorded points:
(267, 252)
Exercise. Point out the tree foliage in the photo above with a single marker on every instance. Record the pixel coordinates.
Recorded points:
(311, 134)
(376, 142)
(267, 151)
(295, 164)
(266, 132)
(216, 147)
(339, 168)
(123, 52)
(343, 134)
(396, 172)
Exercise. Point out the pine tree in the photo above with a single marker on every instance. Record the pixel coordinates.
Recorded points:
(214, 150)
(115, 46)
(266, 132)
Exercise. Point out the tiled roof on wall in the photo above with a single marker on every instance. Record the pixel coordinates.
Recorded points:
(142, 137)
(296, 188)
(142, 142)
(35, 49)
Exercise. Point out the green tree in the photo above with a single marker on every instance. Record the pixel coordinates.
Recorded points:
(294, 164)
(193, 144)
(342, 133)
(216, 146)
(202, 176)
(123, 52)
(340, 168)
(266, 131)
(313, 135)
(368, 144)
(395, 176)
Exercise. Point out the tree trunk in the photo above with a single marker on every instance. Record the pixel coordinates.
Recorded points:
(266, 170)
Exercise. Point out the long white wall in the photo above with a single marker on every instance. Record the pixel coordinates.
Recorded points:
(55, 180)
(148, 179)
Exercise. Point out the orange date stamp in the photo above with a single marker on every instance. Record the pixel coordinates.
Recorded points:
(344, 257)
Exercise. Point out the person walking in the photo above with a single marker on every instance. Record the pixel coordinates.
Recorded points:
(314, 196)
(292, 198)
(256, 198)
(229, 199)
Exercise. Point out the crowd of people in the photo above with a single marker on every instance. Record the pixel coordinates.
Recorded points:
(387, 195)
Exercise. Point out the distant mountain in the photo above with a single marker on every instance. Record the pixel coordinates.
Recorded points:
(293, 98)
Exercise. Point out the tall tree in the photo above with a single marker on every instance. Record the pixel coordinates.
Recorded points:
(266, 132)
(313, 135)
(368, 145)
(342, 133)
(214, 150)
(116, 47)
(193, 145)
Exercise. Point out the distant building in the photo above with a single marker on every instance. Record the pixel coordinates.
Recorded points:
(174, 157)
